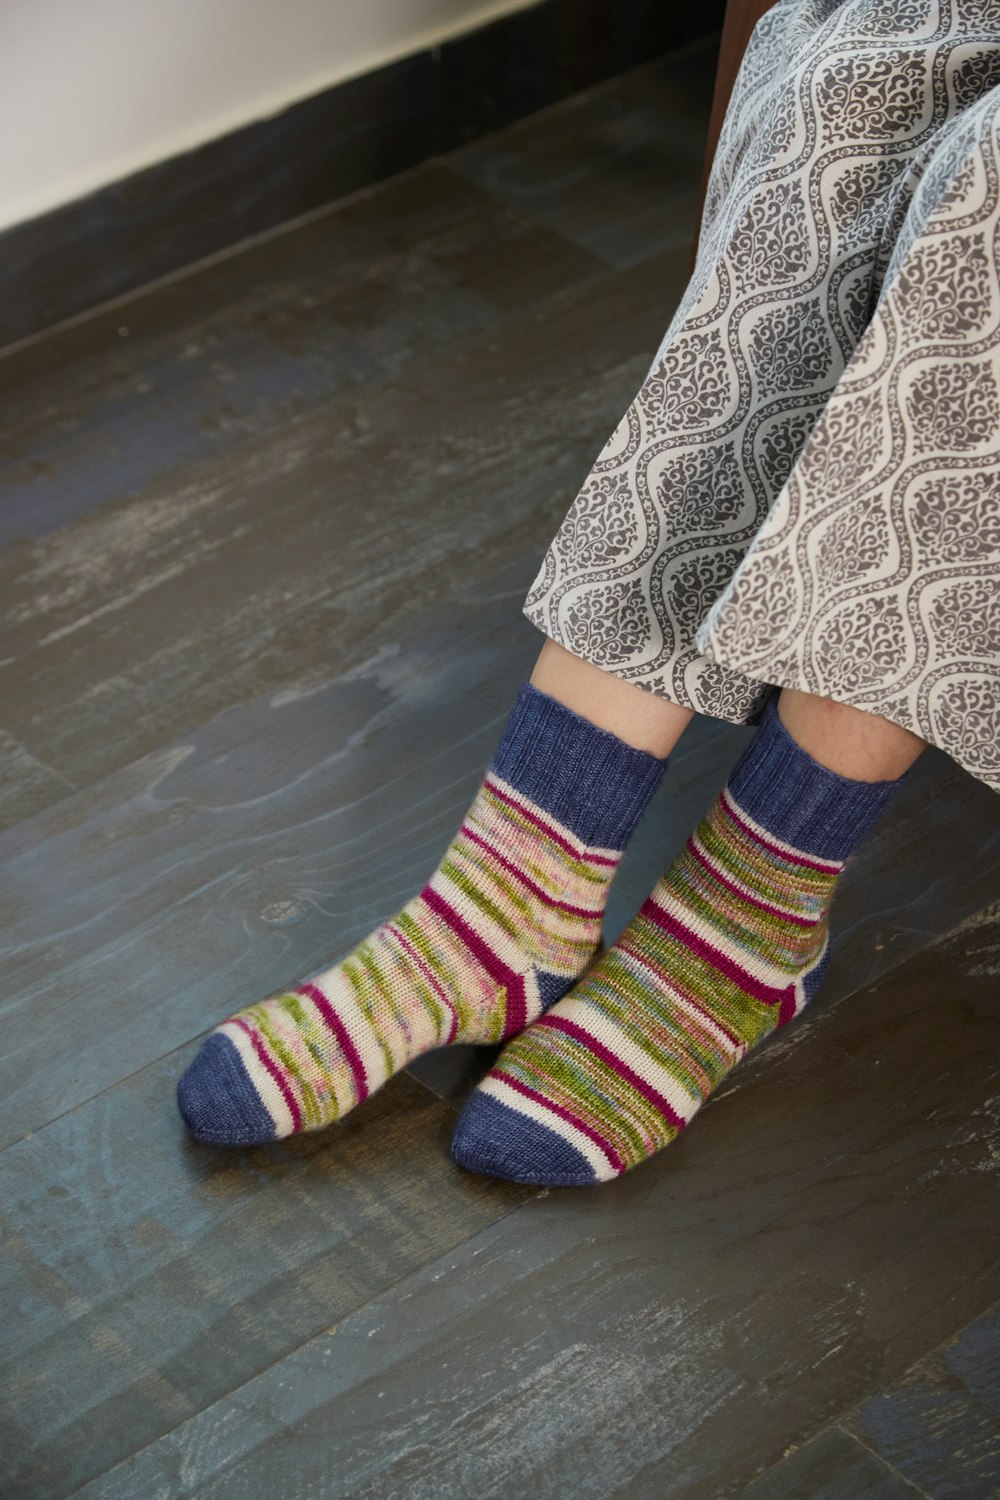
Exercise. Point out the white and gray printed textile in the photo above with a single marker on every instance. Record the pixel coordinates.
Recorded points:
(805, 491)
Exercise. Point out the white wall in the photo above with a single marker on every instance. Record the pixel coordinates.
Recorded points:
(91, 90)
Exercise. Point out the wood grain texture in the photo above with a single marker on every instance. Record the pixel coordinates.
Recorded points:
(145, 1276)
(218, 869)
(614, 173)
(940, 1424)
(834, 1466)
(274, 562)
(673, 1333)
(26, 783)
(330, 309)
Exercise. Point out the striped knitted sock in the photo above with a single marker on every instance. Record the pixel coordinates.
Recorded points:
(731, 944)
(506, 924)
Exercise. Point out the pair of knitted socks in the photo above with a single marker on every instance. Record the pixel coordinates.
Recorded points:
(609, 1059)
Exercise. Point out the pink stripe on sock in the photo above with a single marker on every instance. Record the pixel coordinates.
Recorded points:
(574, 911)
(275, 1072)
(516, 1008)
(787, 1010)
(491, 962)
(578, 853)
(774, 911)
(336, 1025)
(657, 1100)
(769, 994)
(564, 1114)
(795, 858)
(430, 976)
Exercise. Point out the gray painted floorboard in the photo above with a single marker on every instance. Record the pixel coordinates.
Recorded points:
(270, 565)
(674, 1333)
(833, 1466)
(267, 531)
(940, 1423)
(145, 1276)
(616, 173)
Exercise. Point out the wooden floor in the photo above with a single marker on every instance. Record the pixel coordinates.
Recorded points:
(266, 531)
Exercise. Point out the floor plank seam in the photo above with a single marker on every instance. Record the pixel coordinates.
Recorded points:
(841, 1418)
(52, 770)
(601, 264)
(890, 1468)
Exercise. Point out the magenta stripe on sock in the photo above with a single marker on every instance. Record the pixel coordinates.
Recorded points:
(275, 1072)
(656, 1099)
(774, 911)
(491, 962)
(430, 976)
(795, 858)
(336, 1025)
(574, 911)
(564, 1114)
(516, 1008)
(578, 852)
(769, 994)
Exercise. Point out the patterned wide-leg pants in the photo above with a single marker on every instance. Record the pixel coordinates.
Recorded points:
(805, 491)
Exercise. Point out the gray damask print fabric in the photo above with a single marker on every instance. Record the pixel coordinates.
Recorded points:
(805, 491)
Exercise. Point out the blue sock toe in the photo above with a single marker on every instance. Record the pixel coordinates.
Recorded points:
(218, 1102)
(500, 1142)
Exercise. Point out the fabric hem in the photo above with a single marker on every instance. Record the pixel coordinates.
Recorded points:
(769, 690)
(766, 689)
(846, 698)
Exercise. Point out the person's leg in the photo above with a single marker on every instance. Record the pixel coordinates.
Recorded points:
(861, 746)
(641, 719)
(505, 925)
(841, 738)
(731, 944)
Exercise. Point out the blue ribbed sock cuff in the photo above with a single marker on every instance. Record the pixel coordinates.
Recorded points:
(586, 777)
(801, 802)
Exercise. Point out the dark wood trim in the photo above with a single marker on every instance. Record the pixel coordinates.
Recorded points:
(356, 133)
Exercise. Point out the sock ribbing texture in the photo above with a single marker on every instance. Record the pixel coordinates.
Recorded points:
(731, 944)
(506, 924)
